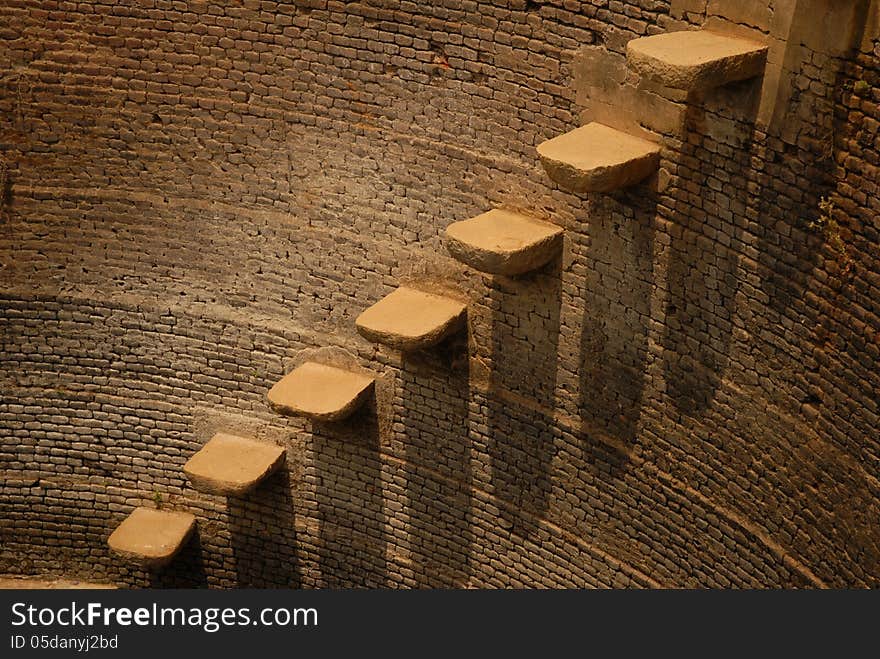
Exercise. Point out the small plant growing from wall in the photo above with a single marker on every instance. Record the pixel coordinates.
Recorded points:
(826, 225)
(157, 499)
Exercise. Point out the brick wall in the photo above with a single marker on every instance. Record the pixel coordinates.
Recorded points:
(198, 196)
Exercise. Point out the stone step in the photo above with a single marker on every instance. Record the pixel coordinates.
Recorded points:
(408, 319)
(696, 59)
(231, 465)
(320, 392)
(597, 158)
(501, 242)
(152, 538)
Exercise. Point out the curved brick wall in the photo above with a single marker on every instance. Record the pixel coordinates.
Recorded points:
(197, 198)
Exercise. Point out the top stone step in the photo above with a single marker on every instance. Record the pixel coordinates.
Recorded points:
(696, 59)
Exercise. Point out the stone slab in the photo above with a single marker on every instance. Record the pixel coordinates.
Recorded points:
(504, 243)
(408, 319)
(152, 538)
(320, 392)
(50, 583)
(597, 158)
(231, 465)
(696, 59)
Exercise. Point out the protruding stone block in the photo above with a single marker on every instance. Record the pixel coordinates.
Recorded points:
(320, 392)
(408, 319)
(231, 465)
(696, 59)
(504, 243)
(597, 158)
(152, 538)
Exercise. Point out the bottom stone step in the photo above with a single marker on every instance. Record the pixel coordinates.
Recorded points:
(152, 538)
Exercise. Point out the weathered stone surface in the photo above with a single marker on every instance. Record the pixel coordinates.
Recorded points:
(152, 538)
(321, 392)
(679, 8)
(696, 59)
(597, 158)
(612, 95)
(408, 319)
(504, 243)
(232, 465)
(746, 14)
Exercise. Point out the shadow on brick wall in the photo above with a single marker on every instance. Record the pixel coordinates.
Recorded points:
(525, 341)
(802, 154)
(435, 392)
(521, 449)
(788, 251)
(348, 469)
(814, 280)
(617, 298)
(262, 526)
(703, 267)
(187, 570)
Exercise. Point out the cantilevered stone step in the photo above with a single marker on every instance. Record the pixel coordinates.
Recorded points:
(408, 319)
(320, 392)
(232, 465)
(697, 59)
(504, 243)
(597, 158)
(152, 538)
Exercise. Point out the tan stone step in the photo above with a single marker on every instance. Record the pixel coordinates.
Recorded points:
(504, 243)
(152, 538)
(408, 319)
(696, 59)
(232, 465)
(17, 582)
(597, 158)
(320, 392)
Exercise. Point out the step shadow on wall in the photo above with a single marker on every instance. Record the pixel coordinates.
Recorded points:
(345, 461)
(262, 526)
(616, 314)
(812, 127)
(521, 400)
(187, 570)
(435, 392)
(703, 263)
(813, 280)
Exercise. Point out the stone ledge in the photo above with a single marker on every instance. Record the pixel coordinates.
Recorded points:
(152, 538)
(597, 158)
(320, 392)
(504, 243)
(17, 582)
(231, 465)
(408, 319)
(696, 59)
